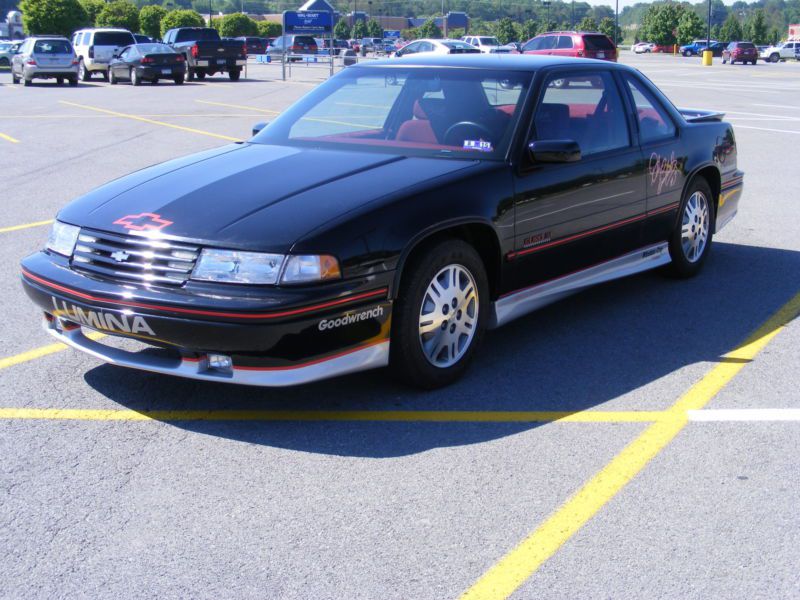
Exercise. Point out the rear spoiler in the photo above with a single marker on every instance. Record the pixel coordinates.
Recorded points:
(695, 115)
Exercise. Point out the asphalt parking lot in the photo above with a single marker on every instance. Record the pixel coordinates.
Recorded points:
(638, 440)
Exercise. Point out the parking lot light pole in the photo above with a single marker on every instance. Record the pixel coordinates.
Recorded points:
(616, 23)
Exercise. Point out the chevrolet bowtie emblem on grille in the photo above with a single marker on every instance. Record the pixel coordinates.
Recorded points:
(143, 222)
(120, 256)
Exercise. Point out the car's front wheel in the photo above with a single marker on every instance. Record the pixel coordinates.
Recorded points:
(112, 78)
(440, 314)
(775, 57)
(691, 238)
(135, 79)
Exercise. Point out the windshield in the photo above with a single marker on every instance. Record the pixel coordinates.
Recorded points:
(489, 41)
(460, 113)
(155, 49)
(52, 47)
(113, 38)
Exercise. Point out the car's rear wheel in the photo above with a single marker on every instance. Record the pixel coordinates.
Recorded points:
(178, 79)
(235, 74)
(59, 81)
(154, 81)
(4, 62)
(84, 74)
(694, 230)
(189, 74)
(26, 82)
(440, 314)
(14, 78)
(73, 81)
(687, 53)
(201, 75)
(135, 79)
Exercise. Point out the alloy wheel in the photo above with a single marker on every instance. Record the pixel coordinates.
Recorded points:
(448, 316)
(695, 226)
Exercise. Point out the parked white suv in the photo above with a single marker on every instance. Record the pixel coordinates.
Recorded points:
(96, 47)
(485, 43)
(781, 52)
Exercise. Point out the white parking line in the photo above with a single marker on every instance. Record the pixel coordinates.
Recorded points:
(746, 414)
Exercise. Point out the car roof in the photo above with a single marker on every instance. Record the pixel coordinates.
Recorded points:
(510, 62)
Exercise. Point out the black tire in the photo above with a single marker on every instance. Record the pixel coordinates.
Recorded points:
(201, 75)
(84, 74)
(178, 79)
(59, 81)
(235, 74)
(4, 62)
(775, 57)
(14, 78)
(112, 79)
(135, 79)
(154, 81)
(27, 82)
(683, 266)
(73, 81)
(687, 53)
(408, 361)
(189, 74)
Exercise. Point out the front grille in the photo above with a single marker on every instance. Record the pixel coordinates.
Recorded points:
(134, 258)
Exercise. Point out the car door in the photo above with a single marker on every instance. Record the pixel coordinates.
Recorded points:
(664, 155)
(572, 215)
(124, 66)
(564, 46)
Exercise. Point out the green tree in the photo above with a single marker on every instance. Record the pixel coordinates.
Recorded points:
(774, 36)
(715, 32)
(359, 30)
(119, 13)
(546, 25)
(587, 24)
(429, 30)
(731, 30)
(341, 30)
(660, 21)
(181, 18)
(52, 16)
(269, 29)
(690, 27)
(504, 30)
(93, 8)
(528, 30)
(757, 27)
(150, 20)
(374, 29)
(236, 25)
(607, 27)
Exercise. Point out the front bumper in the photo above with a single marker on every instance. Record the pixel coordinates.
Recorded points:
(285, 338)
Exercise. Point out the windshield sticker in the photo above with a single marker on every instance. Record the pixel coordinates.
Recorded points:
(479, 145)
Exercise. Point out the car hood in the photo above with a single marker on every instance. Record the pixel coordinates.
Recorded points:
(252, 196)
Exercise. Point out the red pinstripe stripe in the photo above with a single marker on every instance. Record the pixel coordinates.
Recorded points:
(577, 236)
(209, 313)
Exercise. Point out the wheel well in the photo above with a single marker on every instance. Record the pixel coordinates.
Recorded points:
(478, 235)
(711, 175)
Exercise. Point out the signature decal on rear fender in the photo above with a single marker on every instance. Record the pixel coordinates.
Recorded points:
(663, 171)
(102, 320)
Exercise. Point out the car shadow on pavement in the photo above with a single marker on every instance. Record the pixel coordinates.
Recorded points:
(596, 349)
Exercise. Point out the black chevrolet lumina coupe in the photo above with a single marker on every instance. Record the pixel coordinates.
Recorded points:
(389, 217)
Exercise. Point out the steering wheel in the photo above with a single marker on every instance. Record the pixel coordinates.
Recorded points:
(453, 133)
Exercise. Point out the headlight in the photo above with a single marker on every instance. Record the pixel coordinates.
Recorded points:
(63, 238)
(304, 269)
(233, 266)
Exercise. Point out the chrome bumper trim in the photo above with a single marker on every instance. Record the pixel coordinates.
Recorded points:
(368, 357)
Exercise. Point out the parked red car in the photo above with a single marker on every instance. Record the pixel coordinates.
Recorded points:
(743, 52)
(579, 44)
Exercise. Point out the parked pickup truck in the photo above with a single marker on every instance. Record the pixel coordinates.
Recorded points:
(206, 53)
(790, 49)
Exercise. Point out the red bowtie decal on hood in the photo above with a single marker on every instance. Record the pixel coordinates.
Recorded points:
(143, 222)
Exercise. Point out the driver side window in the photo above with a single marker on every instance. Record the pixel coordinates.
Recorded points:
(586, 108)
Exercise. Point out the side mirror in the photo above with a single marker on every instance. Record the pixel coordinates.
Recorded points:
(554, 151)
(258, 127)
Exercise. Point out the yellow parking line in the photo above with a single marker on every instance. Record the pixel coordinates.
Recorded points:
(506, 576)
(152, 121)
(264, 110)
(8, 138)
(405, 416)
(30, 355)
(25, 226)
